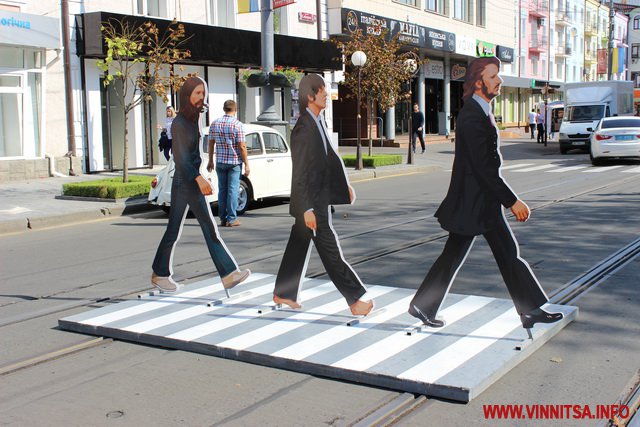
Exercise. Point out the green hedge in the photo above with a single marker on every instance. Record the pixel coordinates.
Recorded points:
(375, 161)
(110, 188)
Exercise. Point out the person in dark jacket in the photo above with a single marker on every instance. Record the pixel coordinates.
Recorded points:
(417, 124)
(187, 192)
(318, 181)
(473, 206)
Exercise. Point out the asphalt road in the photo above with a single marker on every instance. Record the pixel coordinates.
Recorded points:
(581, 215)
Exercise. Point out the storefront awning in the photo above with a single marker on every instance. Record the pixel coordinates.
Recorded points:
(215, 46)
(26, 30)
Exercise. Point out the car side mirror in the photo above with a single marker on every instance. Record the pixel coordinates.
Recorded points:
(590, 129)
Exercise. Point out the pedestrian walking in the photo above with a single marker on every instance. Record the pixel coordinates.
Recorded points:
(319, 180)
(417, 125)
(472, 207)
(187, 193)
(540, 125)
(227, 139)
(532, 123)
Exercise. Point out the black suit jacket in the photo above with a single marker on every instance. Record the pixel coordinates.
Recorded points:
(318, 179)
(472, 204)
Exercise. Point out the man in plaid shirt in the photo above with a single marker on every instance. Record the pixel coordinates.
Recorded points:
(226, 135)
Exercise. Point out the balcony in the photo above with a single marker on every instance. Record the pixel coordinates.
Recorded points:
(590, 29)
(539, 8)
(538, 44)
(590, 57)
(562, 19)
(563, 52)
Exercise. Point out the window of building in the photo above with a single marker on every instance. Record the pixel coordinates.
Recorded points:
(438, 6)
(534, 66)
(559, 71)
(636, 22)
(461, 10)
(152, 8)
(409, 2)
(634, 50)
(481, 13)
(219, 13)
(21, 100)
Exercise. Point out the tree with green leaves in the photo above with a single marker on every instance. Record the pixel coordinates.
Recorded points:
(128, 46)
(388, 67)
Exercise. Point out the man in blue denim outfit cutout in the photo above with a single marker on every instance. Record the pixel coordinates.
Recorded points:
(227, 136)
(187, 192)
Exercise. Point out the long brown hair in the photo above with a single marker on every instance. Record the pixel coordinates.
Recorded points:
(474, 73)
(187, 110)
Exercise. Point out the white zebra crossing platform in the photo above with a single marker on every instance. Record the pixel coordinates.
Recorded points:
(482, 340)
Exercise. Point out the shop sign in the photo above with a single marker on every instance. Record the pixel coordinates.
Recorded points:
(281, 3)
(485, 49)
(505, 54)
(465, 45)
(458, 72)
(410, 33)
(307, 17)
(22, 29)
(434, 70)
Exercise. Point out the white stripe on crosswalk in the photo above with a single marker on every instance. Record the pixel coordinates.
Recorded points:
(163, 302)
(568, 169)
(632, 170)
(602, 169)
(454, 355)
(504, 168)
(319, 342)
(394, 344)
(241, 316)
(536, 168)
(296, 321)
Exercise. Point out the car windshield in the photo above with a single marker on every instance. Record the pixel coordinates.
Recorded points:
(621, 123)
(584, 113)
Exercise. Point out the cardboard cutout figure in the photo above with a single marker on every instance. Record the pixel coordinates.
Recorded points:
(188, 191)
(318, 181)
(472, 207)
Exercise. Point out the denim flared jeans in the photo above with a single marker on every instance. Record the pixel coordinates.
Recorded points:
(185, 195)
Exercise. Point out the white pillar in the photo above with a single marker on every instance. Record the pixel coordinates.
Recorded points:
(447, 94)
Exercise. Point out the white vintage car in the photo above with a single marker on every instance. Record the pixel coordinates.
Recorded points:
(270, 162)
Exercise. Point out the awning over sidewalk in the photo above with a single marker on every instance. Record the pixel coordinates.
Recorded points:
(210, 45)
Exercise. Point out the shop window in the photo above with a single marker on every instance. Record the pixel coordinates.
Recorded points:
(438, 6)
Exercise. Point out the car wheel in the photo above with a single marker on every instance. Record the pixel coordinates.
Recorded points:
(165, 209)
(596, 161)
(244, 198)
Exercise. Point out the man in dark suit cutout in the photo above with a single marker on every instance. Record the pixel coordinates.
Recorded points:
(318, 181)
(472, 207)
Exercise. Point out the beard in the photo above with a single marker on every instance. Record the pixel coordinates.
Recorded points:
(485, 92)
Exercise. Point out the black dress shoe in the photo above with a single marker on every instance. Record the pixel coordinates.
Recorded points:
(417, 313)
(538, 316)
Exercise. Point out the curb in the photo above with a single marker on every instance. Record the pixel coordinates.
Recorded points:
(87, 215)
(374, 173)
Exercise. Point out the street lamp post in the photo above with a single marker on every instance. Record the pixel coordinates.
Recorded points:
(358, 59)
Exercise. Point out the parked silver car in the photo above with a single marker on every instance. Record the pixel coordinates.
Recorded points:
(270, 161)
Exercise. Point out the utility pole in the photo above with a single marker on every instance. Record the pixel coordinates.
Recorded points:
(267, 98)
(612, 15)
